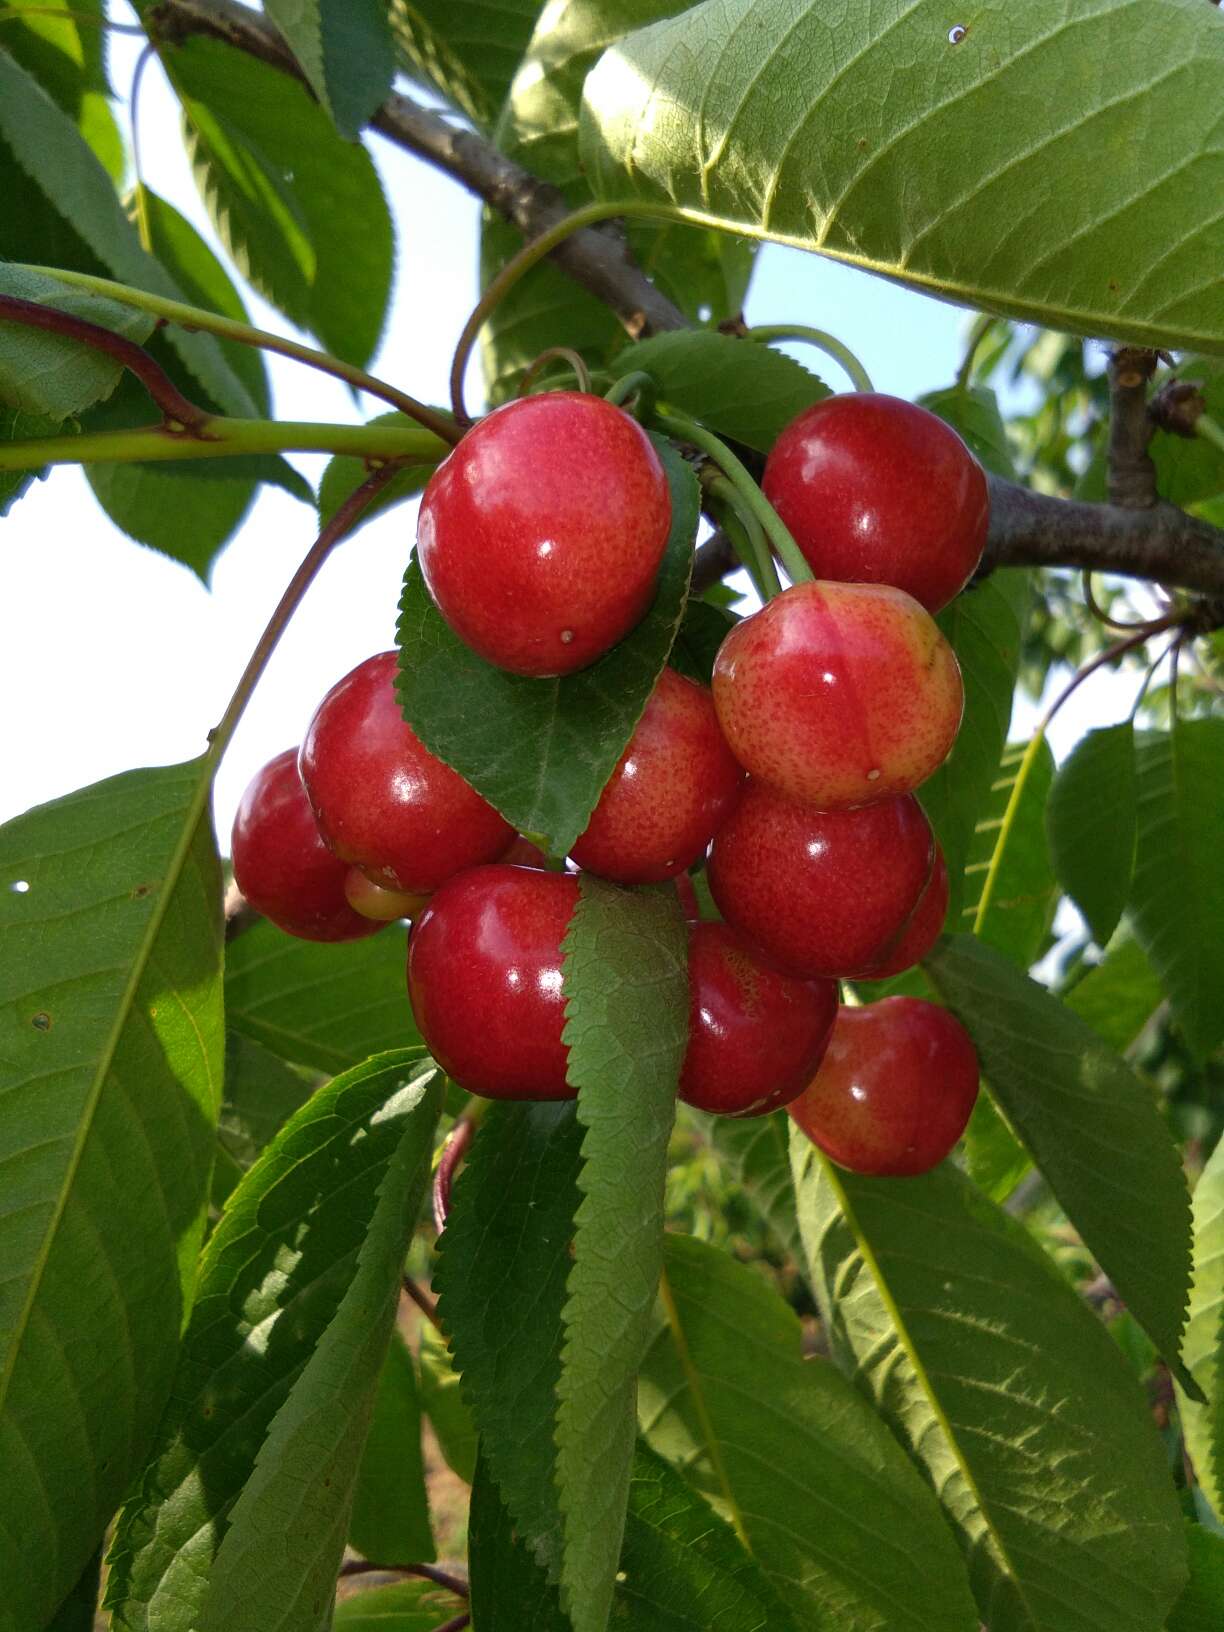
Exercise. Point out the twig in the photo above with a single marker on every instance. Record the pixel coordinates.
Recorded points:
(423, 1302)
(1132, 475)
(427, 1572)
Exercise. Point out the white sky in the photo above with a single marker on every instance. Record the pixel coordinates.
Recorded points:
(114, 656)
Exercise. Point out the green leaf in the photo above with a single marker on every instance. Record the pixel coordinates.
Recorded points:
(18, 427)
(240, 1519)
(1008, 1393)
(1091, 817)
(408, 1606)
(626, 988)
(1093, 1128)
(757, 1151)
(973, 414)
(111, 1037)
(739, 388)
(48, 374)
(342, 477)
(1177, 899)
(766, 116)
(984, 626)
(77, 1612)
(541, 751)
(703, 629)
(1203, 1346)
(65, 51)
(502, 1308)
(1202, 1604)
(300, 210)
(481, 40)
(812, 1480)
(346, 51)
(261, 1094)
(995, 1159)
(510, 1591)
(73, 186)
(443, 1404)
(179, 512)
(326, 1006)
(1009, 879)
(705, 273)
(390, 1521)
(1119, 996)
(1189, 469)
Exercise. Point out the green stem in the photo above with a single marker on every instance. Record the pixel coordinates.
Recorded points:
(220, 438)
(519, 265)
(228, 328)
(638, 383)
(554, 354)
(981, 328)
(1210, 430)
(748, 537)
(776, 530)
(823, 341)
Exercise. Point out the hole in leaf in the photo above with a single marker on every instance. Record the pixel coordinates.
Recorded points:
(20, 886)
(41, 1021)
(957, 33)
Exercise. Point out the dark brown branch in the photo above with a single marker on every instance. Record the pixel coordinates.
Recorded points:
(427, 1572)
(596, 257)
(179, 411)
(1132, 475)
(423, 1301)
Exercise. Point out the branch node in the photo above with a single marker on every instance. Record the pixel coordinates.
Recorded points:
(1132, 475)
(1177, 407)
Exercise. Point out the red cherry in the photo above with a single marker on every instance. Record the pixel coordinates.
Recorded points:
(895, 1090)
(880, 491)
(281, 864)
(541, 535)
(484, 976)
(838, 694)
(820, 892)
(923, 930)
(381, 800)
(755, 1036)
(374, 901)
(673, 786)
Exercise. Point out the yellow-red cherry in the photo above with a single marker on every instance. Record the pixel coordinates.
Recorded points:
(541, 535)
(880, 491)
(673, 786)
(484, 978)
(755, 1035)
(894, 1091)
(281, 864)
(839, 694)
(820, 892)
(382, 801)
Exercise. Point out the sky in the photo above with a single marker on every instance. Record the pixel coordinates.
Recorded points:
(114, 656)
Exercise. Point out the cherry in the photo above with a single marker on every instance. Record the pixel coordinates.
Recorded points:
(895, 1089)
(820, 893)
(880, 491)
(382, 801)
(755, 1036)
(839, 693)
(923, 930)
(673, 786)
(540, 536)
(484, 977)
(375, 901)
(281, 864)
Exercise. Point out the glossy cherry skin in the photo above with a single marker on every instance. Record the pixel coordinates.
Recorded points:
(895, 1089)
(820, 892)
(377, 902)
(541, 535)
(755, 1036)
(484, 977)
(674, 784)
(281, 864)
(839, 694)
(921, 932)
(382, 802)
(879, 491)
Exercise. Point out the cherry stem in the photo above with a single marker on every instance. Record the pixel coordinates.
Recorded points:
(227, 328)
(423, 1301)
(1210, 430)
(426, 1572)
(637, 384)
(748, 536)
(977, 334)
(553, 354)
(823, 341)
(139, 192)
(179, 411)
(453, 1151)
(456, 1624)
(1150, 672)
(222, 438)
(520, 264)
(1100, 614)
(776, 530)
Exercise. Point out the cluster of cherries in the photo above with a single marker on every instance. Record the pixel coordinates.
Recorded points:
(791, 779)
